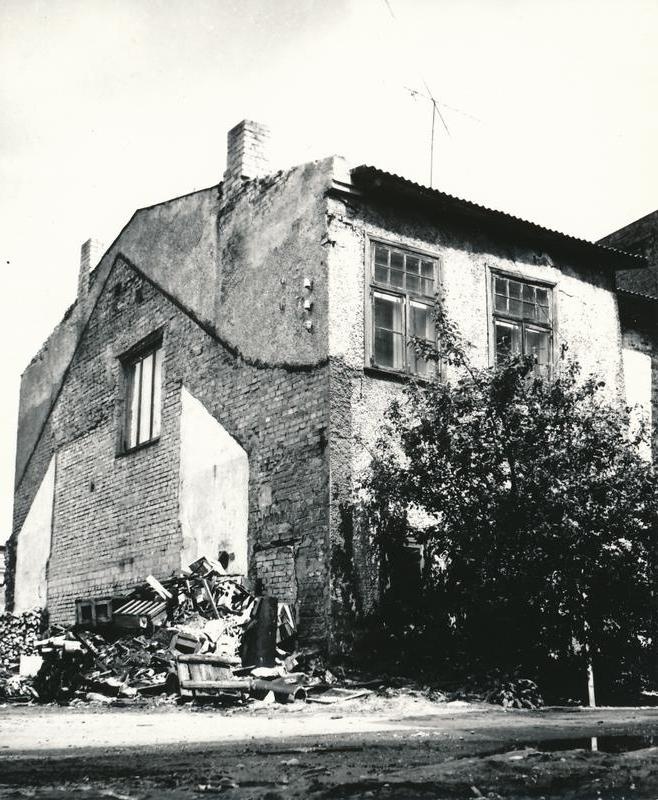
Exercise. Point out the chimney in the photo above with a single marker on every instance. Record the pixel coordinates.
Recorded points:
(91, 253)
(246, 154)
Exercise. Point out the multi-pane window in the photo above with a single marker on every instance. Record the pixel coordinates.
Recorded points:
(523, 323)
(403, 285)
(144, 385)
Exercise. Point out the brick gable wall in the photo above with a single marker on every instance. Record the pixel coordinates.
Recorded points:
(116, 515)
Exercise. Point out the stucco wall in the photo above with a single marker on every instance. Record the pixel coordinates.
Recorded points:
(34, 546)
(272, 266)
(587, 317)
(640, 341)
(587, 323)
(213, 501)
(637, 384)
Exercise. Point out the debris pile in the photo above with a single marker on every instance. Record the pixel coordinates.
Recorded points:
(18, 633)
(18, 636)
(200, 633)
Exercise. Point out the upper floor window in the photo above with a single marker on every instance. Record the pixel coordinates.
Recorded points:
(523, 322)
(402, 290)
(144, 397)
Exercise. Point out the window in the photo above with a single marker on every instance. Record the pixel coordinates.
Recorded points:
(93, 612)
(144, 390)
(523, 322)
(403, 285)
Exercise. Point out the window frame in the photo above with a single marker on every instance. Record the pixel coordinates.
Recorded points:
(100, 611)
(523, 324)
(138, 353)
(408, 296)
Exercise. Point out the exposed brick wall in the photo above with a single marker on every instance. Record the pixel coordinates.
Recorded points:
(274, 566)
(116, 515)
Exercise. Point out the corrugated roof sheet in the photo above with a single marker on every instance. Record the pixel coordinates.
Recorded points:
(367, 175)
(639, 295)
(142, 608)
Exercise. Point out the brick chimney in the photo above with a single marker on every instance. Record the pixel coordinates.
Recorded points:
(91, 253)
(246, 155)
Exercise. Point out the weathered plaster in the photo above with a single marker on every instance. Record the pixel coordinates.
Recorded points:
(33, 547)
(587, 316)
(638, 389)
(271, 262)
(213, 502)
(587, 322)
(252, 267)
(175, 244)
(640, 340)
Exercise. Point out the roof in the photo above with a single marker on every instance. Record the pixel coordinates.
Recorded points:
(638, 295)
(631, 227)
(638, 300)
(376, 182)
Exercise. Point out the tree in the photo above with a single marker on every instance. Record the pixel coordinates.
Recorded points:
(536, 512)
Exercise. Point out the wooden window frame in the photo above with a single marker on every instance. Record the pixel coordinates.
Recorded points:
(408, 296)
(129, 361)
(94, 606)
(494, 315)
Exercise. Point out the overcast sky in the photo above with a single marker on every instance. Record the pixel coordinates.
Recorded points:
(109, 105)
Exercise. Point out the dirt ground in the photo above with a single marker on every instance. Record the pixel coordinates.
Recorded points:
(375, 748)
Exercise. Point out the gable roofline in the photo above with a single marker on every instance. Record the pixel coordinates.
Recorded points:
(95, 271)
(142, 209)
(630, 225)
(371, 182)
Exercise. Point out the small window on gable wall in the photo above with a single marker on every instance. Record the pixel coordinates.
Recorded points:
(523, 322)
(144, 397)
(402, 290)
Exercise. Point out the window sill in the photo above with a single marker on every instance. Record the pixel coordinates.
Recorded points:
(138, 448)
(394, 375)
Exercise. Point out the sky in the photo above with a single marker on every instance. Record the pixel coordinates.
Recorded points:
(111, 105)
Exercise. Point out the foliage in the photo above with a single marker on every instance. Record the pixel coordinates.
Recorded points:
(515, 693)
(536, 513)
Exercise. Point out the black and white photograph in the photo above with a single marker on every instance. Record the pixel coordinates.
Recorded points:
(329, 428)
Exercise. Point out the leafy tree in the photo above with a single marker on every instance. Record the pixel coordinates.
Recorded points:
(536, 513)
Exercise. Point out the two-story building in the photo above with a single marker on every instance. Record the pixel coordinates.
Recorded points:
(229, 353)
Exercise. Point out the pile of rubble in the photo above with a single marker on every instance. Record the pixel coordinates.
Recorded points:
(18, 636)
(200, 633)
(18, 633)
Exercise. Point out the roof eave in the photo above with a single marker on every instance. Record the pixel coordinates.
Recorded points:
(372, 183)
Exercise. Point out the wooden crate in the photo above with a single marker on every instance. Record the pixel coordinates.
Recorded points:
(206, 673)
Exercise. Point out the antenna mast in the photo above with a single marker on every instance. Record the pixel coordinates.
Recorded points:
(435, 108)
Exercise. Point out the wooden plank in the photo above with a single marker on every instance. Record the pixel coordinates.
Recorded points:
(158, 588)
(338, 695)
(210, 597)
(239, 685)
(207, 658)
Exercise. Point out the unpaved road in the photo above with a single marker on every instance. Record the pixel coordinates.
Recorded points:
(355, 750)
